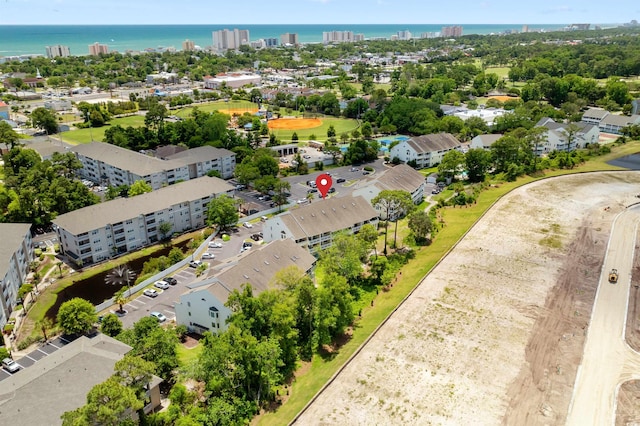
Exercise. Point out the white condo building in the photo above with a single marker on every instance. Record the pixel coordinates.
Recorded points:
(16, 252)
(108, 164)
(98, 232)
(57, 50)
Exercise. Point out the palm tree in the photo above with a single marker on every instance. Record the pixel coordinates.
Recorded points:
(120, 298)
(120, 276)
(44, 324)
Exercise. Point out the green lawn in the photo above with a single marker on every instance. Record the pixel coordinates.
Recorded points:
(502, 72)
(81, 136)
(458, 221)
(342, 125)
(186, 355)
(216, 106)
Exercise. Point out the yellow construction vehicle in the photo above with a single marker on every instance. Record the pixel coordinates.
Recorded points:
(613, 276)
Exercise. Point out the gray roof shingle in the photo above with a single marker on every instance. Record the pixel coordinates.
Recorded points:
(13, 235)
(433, 142)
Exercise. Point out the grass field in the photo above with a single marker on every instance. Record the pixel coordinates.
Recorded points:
(342, 125)
(458, 222)
(231, 106)
(80, 136)
(502, 72)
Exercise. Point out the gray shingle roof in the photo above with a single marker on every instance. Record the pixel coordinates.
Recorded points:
(489, 139)
(433, 142)
(328, 215)
(12, 236)
(121, 209)
(619, 120)
(201, 153)
(401, 177)
(595, 113)
(124, 159)
(259, 266)
(41, 393)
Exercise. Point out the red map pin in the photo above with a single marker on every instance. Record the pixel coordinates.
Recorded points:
(324, 182)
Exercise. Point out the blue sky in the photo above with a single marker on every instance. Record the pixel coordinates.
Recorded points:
(215, 12)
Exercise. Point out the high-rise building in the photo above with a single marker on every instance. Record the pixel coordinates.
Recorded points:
(230, 40)
(57, 50)
(452, 31)
(289, 38)
(340, 37)
(525, 28)
(404, 35)
(188, 45)
(97, 48)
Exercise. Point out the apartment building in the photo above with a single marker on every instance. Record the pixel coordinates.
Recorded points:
(341, 37)
(188, 45)
(100, 231)
(425, 150)
(224, 40)
(16, 252)
(398, 178)
(202, 308)
(57, 50)
(313, 225)
(96, 48)
(234, 80)
(289, 39)
(451, 31)
(108, 164)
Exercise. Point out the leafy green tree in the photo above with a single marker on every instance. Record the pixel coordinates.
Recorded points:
(44, 119)
(139, 187)
(392, 205)
(176, 255)
(367, 131)
(111, 325)
(451, 164)
(334, 308)
(8, 136)
(45, 324)
(76, 316)
(281, 190)
(154, 119)
(369, 236)
(135, 373)
(109, 404)
(222, 211)
(164, 228)
(345, 257)
(420, 224)
(477, 161)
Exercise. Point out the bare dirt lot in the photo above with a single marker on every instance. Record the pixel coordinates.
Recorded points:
(495, 333)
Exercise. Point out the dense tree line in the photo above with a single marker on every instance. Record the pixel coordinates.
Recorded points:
(36, 190)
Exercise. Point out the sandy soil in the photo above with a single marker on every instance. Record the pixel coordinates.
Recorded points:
(495, 333)
(238, 111)
(294, 123)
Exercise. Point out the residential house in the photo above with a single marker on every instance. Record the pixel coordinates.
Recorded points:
(484, 141)
(108, 164)
(557, 136)
(313, 225)
(202, 308)
(95, 233)
(425, 150)
(16, 252)
(59, 382)
(398, 178)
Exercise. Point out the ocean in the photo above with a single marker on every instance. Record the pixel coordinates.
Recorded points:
(32, 39)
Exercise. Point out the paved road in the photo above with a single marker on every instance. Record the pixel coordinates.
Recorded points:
(164, 303)
(608, 361)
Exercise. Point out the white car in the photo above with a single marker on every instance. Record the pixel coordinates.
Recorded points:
(215, 244)
(208, 255)
(163, 285)
(159, 316)
(10, 365)
(195, 263)
(247, 225)
(150, 292)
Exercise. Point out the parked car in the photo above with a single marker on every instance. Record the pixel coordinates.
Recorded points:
(247, 225)
(340, 180)
(195, 263)
(366, 172)
(256, 237)
(303, 201)
(170, 280)
(331, 190)
(150, 292)
(208, 255)
(312, 190)
(163, 285)
(10, 365)
(247, 244)
(215, 244)
(158, 315)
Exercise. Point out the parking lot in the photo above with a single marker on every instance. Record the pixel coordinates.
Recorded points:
(36, 355)
(164, 302)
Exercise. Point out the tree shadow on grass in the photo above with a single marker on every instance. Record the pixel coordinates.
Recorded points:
(329, 352)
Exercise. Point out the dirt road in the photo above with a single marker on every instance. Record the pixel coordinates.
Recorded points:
(608, 360)
(496, 332)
